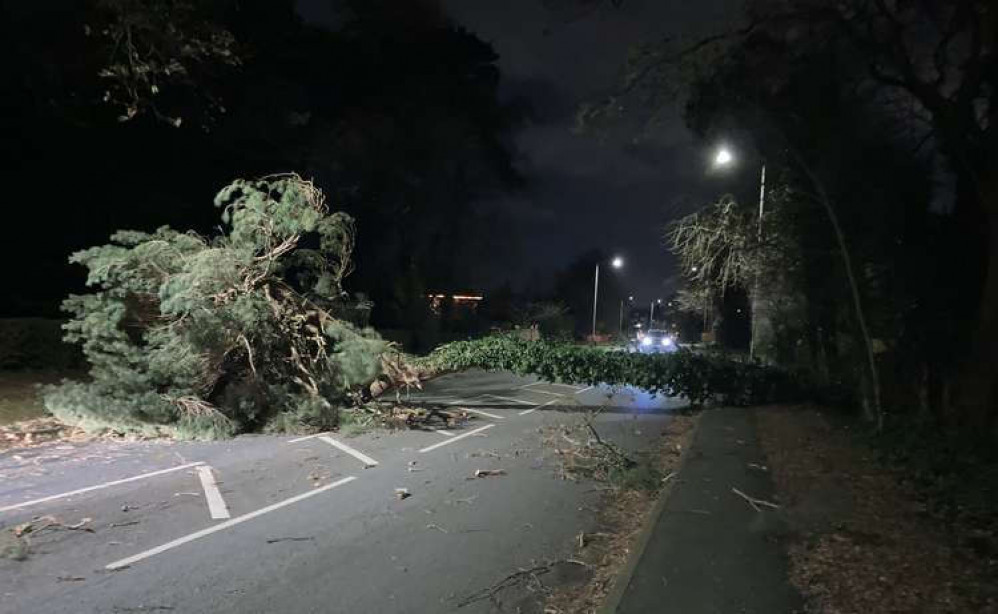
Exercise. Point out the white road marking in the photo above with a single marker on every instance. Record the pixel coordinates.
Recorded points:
(510, 399)
(443, 432)
(584, 389)
(560, 384)
(533, 409)
(225, 525)
(305, 437)
(453, 439)
(483, 413)
(554, 394)
(216, 504)
(364, 458)
(100, 486)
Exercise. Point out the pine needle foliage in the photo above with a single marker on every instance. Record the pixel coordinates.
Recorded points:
(202, 337)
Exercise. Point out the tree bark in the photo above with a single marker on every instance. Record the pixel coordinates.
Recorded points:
(977, 393)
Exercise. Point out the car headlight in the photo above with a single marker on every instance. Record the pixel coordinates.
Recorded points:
(646, 341)
(667, 341)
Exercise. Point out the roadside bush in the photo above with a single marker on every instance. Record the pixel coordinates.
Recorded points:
(208, 337)
(683, 373)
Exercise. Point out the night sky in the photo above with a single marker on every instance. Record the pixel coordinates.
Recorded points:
(613, 193)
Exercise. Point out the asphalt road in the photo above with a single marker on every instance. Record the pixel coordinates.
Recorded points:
(271, 524)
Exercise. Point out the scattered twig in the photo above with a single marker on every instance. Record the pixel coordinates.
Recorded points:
(755, 503)
(115, 525)
(437, 527)
(274, 540)
(523, 575)
(484, 473)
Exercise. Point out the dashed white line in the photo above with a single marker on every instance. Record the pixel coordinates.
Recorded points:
(560, 384)
(584, 389)
(510, 399)
(457, 438)
(443, 432)
(100, 486)
(216, 504)
(533, 409)
(225, 525)
(364, 458)
(554, 394)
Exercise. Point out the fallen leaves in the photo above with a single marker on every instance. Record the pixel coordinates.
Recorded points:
(864, 545)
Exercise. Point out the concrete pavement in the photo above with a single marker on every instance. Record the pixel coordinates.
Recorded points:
(709, 551)
(312, 525)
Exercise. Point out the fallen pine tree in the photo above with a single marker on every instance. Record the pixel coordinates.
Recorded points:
(206, 337)
(696, 377)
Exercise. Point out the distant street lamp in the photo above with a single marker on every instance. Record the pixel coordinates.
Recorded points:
(723, 158)
(616, 263)
(651, 312)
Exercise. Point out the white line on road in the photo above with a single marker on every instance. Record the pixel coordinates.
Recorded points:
(225, 525)
(560, 384)
(533, 409)
(443, 432)
(305, 437)
(216, 504)
(453, 439)
(554, 394)
(483, 413)
(584, 389)
(100, 486)
(364, 458)
(510, 399)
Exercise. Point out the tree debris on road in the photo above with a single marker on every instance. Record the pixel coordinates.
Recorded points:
(484, 473)
(755, 503)
(275, 540)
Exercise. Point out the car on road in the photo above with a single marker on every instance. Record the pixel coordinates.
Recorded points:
(655, 341)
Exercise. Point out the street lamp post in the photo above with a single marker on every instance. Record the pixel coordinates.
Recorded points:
(723, 158)
(616, 263)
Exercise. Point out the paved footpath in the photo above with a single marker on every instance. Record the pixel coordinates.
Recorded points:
(709, 551)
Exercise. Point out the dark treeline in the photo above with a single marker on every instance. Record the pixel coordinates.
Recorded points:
(876, 264)
(391, 109)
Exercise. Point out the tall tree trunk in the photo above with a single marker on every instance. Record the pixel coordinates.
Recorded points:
(978, 384)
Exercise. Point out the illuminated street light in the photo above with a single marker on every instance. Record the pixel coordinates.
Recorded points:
(723, 157)
(616, 263)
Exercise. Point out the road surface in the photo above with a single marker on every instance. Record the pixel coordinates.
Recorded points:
(279, 523)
